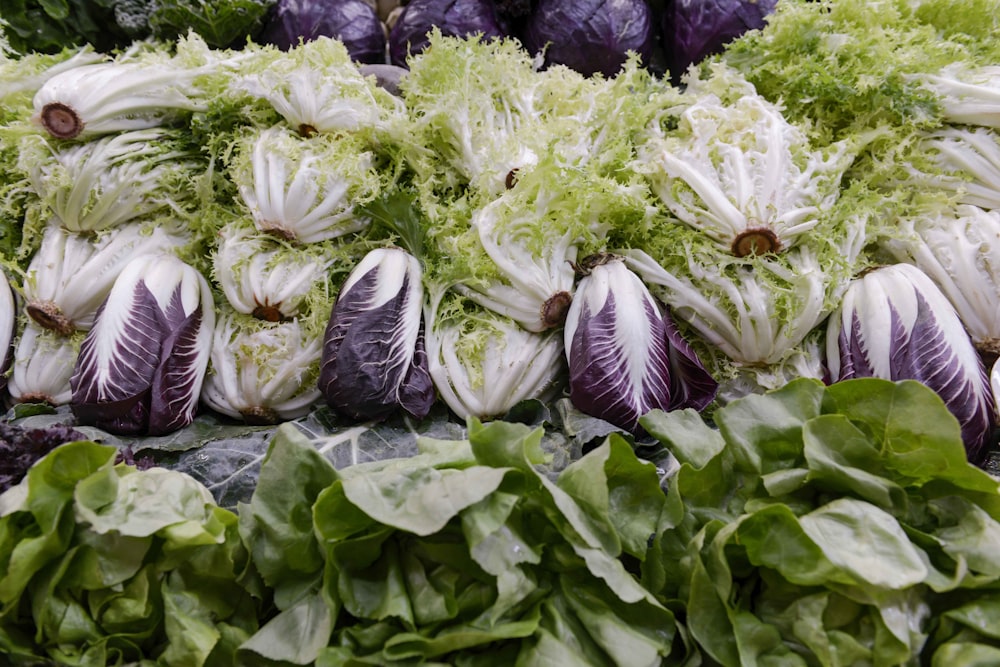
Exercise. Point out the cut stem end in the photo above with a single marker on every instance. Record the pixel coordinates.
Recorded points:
(50, 316)
(758, 241)
(61, 121)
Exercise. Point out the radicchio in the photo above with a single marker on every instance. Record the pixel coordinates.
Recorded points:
(141, 366)
(374, 361)
(895, 323)
(626, 354)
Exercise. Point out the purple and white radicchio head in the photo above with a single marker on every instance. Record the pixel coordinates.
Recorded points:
(141, 366)
(626, 355)
(895, 323)
(374, 361)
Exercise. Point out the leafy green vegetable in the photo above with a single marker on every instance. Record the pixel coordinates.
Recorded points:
(466, 551)
(827, 525)
(106, 564)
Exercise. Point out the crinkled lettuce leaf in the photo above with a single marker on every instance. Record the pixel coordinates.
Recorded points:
(107, 564)
(827, 525)
(468, 549)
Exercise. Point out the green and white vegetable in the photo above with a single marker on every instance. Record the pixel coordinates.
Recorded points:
(71, 274)
(305, 189)
(115, 179)
(262, 372)
(42, 364)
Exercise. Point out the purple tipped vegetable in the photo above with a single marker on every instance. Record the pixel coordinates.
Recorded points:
(895, 323)
(626, 355)
(590, 36)
(353, 22)
(374, 362)
(456, 18)
(141, 366)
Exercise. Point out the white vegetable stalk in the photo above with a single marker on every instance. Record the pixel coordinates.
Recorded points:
(15, 81)
(959, 249)
(484, 364)
(537, 286)
(969, 160)
(743, 174)
(113, 180)
(969, 96)
(264, 277)
(305, 191)
(42, 366)
(8, 321)
(71, 274)
(108, 97)
(262, 372)
(740, 315)
(482, 111)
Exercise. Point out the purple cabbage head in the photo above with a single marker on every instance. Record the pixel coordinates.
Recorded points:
(454, 18)
(141, 366)
(353, 22)
(590, 36)
(626, 355)
(374, 361)
(894, 323)
(694, 29)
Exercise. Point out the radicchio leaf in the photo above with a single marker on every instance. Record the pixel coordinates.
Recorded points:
(374, 361)
(626, 355)
(141, 367)
(895, 323)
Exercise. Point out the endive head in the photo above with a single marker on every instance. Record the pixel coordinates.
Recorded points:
(262, 372)
(895, 323)
(626, 355)
(71, 274)
(267, 277)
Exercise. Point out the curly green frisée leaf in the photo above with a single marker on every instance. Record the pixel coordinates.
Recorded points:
(462, 551)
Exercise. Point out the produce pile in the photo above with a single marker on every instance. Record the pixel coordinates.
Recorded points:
(323, 302)
(813, 525)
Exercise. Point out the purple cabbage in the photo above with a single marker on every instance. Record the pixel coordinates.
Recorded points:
(626, 355)
(141, 366)
(590, 36)
(454, 18)
(353, 22)
(374, 361)
(895, 323)
(694, 29)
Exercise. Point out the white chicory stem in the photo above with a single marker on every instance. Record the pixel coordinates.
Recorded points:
(263, 276)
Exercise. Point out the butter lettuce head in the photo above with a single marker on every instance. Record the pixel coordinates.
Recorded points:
(107, 564)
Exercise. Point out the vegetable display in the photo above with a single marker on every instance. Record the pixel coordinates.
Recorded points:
(513, 545)
(488, 357)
